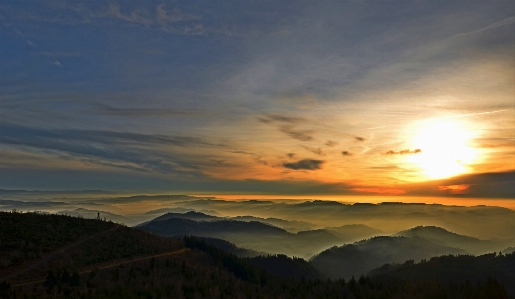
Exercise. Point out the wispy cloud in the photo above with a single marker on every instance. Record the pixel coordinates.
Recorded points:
(331, 143)
(302, 135)
(105, 109)
(114, 11)
(161, 17)
(175, 15)
(286, 124)
(316, 151)
(109, 148)
(455, 189)
(257, 158)
(280, 118)
(403, 152)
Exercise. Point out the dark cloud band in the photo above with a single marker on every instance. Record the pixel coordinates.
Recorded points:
(306, 164)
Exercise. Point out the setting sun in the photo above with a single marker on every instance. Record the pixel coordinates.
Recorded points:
(445, 149)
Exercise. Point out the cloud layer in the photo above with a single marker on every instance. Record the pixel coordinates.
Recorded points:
(241, 95)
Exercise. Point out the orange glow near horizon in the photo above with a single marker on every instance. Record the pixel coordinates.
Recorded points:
(388, 191)
(455, 189)
(375, 199)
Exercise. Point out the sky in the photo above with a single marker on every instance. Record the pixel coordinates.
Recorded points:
(259, 97)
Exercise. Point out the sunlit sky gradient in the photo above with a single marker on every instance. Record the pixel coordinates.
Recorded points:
(264, 97)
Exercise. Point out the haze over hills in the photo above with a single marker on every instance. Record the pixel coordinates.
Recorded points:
(416, 244)
(355, 232)
(492, 227)
(443, 237)
(291, 226)
(162, 211)
(84, 258)
(230, 247)
(351, 260)
(192, 215)
(248, 234)
(361, 257)
(482, 222)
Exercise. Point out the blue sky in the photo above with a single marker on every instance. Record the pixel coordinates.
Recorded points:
(256, 96)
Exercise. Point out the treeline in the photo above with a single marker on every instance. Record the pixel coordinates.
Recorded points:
(491, 268)
(207, 272)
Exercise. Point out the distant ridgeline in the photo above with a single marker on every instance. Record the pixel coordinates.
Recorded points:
(332, 250)
(55, 256)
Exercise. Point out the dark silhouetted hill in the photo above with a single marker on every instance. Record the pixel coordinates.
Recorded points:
(230, 247)
(291, 226)
(192, 215)
(443, 237)
(248, 234)
(182, 226)
(285, 266)
(162, 211)
(458, 269)
(361, 257)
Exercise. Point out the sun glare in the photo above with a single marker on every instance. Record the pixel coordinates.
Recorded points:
(445, 149)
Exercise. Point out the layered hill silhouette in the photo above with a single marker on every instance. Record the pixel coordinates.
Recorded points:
(443, 237)
(69, 257)
(275, 235)
(361, 257)
(291, 226)
(192, 215)
(231, 248)
(355, 232)
(416, 244)
(484, 222)
(248, 234)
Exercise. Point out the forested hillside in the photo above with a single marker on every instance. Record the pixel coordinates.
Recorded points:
(458, 269)
(361, 257)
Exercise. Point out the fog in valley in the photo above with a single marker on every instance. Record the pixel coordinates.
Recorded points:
(340, 239)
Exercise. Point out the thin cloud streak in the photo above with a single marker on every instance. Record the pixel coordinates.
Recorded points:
(443, 117)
